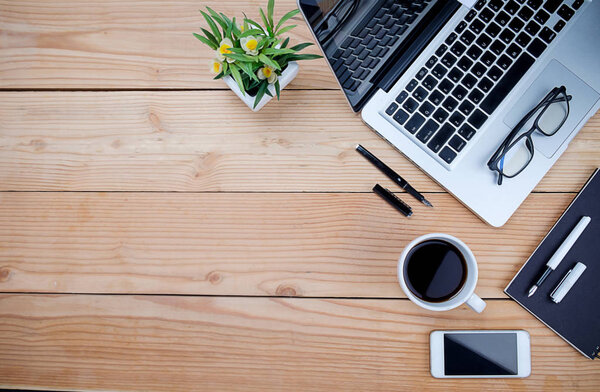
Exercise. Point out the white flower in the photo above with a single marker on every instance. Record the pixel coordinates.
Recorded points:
(250, 45)
(267, 73)
(223, 49)
(216, 67)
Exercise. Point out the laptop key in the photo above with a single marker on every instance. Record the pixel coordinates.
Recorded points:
(547, 35)
(447, 155)
(532, 28)
(427, 131)
(440, 115)
(450, 104)
(436, 97)
(542, 17)
(448, 60)
(565, 12)
(426, 108)
(474, 52)
(476, 96)
(577, 4)
(455, 74)
(460, 27)
(526, 13)
(459, 92)
(451, 38)
(470, 15)
(465, 63)
(441, 50)
(477, 26)
(535, 4)
(401, 97)
(469, 81)
(410, 105)
(431, 62)
(524, 39)
(507, 36)
(488, 58)
(411, 85)
(516, 24)
(441, 137)
(513, 50)
(504, 62)
(466, 108)
(486, 15)
(502, 18)
(439, 71)
(493, 29)
(456, 119)
(559, 26)
(446, 86)
(414, 123)
(429, 82)
(479, 69)
(467, 37)
(466, 131)
(485, 84)
(401, 116)
(511, 7)
(496, 5)
(421, 74)
(484, 41)
(477, 118)
(458, 49)
(457, 143)
(536, 47)
(494, 73)
(420, 94)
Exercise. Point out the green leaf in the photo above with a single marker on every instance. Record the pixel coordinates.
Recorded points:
(285, 18)
(242, 57)
(268, 92)
(212, 25)
(251, 32)
(263, 42)
(268, 61)
(286, 29)
(265, 21)
(238, 78)
(216, 17)
(253, 23)
(270, 8)
(277, 88)
(296, 57)
(247, 68)
(277, 51)
(261, 92)
(285, 43)
(210, 36)
(205, 40)
(299, 47)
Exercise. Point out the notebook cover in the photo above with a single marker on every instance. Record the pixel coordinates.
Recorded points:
(577, 317)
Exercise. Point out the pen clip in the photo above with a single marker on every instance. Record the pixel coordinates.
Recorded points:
(560, 283)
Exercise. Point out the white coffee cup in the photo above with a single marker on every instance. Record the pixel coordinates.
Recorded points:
(466, 293)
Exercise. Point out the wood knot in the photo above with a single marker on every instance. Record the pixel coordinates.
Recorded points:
(214, 277)
(4, 274)
(286, 291)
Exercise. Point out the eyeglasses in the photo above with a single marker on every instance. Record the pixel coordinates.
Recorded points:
(516, 151)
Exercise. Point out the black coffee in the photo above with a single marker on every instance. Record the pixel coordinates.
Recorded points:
(435, 270)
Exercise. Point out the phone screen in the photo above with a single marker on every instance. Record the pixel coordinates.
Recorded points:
(480, 354)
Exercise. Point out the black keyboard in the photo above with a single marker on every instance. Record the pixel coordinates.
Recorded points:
(372, 40)
(469, 75)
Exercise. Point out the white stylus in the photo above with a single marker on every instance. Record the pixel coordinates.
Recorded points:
(561, 252)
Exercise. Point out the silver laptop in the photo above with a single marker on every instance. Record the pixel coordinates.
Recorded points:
(447, 83)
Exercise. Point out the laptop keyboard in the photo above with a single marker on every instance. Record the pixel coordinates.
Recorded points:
(459, 87)
(372, 39)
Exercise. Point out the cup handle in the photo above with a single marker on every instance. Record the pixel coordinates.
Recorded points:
(476, 303)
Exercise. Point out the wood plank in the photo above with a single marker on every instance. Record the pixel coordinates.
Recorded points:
(154, 343)
(299, 244)
(209, 141)
(116, 44)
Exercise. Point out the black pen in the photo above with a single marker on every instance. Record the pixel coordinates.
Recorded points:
(385, 169)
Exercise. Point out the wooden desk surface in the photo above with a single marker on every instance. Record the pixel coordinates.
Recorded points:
(157, 235)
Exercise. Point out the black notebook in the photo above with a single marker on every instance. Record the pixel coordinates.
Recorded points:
(577, 317)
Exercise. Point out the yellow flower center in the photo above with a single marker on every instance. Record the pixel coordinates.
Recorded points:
(216, 67)
(224, 49)
(267, 72)
(252, 44)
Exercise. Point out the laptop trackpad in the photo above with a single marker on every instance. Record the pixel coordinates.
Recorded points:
(554, 75)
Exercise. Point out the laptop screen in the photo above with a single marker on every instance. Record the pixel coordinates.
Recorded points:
(363, 39)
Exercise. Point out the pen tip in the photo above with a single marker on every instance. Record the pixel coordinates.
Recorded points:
(428, 204)
(357, 146)
(531, 291)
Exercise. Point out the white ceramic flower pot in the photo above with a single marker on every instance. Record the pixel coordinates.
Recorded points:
(286, 77)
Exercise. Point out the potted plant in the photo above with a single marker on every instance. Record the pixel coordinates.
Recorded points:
(253, 59)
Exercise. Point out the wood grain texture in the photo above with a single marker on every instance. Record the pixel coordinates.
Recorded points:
(123, 44)
(299, 244)
(208, 141)
(154, 343)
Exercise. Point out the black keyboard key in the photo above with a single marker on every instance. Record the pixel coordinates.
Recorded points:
(440, 115)
(485, 84)
(476, 96)
(440, 138)
(524, 39)
(494, 73)
(565, 12)
(450, 104)
(348, 83)
(466, 108)
(372, 44)
(559, 25)
(536, 47)
(420, 94)
(577, 4)
(493, 30)
(441, 50)
(376, 52)
(427, 131)
(451, 38)
(455, 74)
(470, 15)
(401, 116)
(414, 123)
(410, 105)
(478, 70)
(411, 85)
(354, 65)
(344, 77)
(479, 5)
(421, 74)
(535, 4)
(448, 60)
(459, 92)
(474, 52)
(346, 42)
(532, 28)
(447, 155)
(355, 42)
(504, 62)
(497, 47)
(488, 58)
(506, 84)
(458, 49)
(355, 85)
(477, 118)
(516, 25)
(338, 53)
(467, 38)
(469, 81)
(465, 63)
(547, 35)
(466, 131)
(426, 108)
(401, 97)
(431, 62)
(429, 82)
(460, 27)
(542, 17)
(446, 86)
(513, 50)
(507, 36)
(363, 55)
(486, 15)
(502, 18)
(457, 143)
(477, 26)
(511, 7)
(436, 97)
(495, 5)
(439, 71)
(456, 119)
(526, 13)
(484, 41)
(552, 5)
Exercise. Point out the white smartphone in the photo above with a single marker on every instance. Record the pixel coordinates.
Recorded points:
(480, 354)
